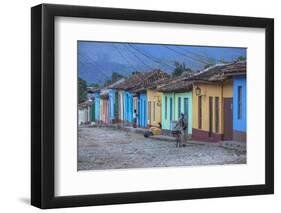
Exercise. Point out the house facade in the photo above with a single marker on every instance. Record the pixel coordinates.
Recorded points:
(120, 94)
(128, 107)
(183, 104)
(212, 111)
(84, 112)
(149, 99)
(104, 112)
(219, 94)
(154, 107)
(239, 108)
(168, 106)
(173, 104)
(113, 106)
(96, 102)
(176, 99)
(142, 109)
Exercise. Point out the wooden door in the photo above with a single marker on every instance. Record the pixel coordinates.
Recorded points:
(210, 116)
(149, 112)
(228, 117)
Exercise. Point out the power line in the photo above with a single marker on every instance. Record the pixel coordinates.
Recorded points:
(138, 58)
(147, 55)
(89, 61)
(120, 53)
(178, 52)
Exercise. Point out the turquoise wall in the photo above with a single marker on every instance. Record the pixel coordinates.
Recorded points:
(166, 110)
(178, 106)
(185, 107)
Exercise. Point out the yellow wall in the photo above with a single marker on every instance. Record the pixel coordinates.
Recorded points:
(215, 90)
(154, 97)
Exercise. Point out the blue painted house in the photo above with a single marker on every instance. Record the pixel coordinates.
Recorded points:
(94, 97)
(128, 106)
(125, 99)
(239, 107)
(147, 98)
(96, 102)
(142, 109)
(112, 105)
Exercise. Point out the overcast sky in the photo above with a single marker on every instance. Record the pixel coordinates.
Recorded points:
(97, 60)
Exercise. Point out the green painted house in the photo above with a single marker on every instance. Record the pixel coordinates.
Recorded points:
(176, 99)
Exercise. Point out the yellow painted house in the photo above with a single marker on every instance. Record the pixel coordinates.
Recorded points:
(154, 108)
(212, 97)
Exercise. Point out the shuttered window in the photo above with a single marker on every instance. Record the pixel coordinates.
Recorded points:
(179, 107)
(171, 109)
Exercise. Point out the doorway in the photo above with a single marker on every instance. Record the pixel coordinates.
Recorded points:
(228, 118)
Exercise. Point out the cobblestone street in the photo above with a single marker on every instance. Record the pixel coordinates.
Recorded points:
(104, 148)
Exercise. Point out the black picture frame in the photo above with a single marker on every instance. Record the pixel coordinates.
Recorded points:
(43, 102)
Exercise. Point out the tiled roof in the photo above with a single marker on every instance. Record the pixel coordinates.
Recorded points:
(152, 80)
(84, 104)
(130, 82)
(220, 72)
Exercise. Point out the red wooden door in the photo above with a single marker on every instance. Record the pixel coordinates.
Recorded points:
(228, 118)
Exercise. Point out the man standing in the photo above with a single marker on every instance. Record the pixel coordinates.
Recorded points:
(181, 125)
(135, 115)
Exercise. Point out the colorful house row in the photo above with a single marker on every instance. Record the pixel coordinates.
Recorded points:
(84, 113)
(147, 100)
(213, 102)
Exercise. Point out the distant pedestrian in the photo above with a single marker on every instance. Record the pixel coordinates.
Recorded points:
(182, 126)
(135, 118)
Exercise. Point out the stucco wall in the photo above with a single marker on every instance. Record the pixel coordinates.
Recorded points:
(111, 102)
(184, 95)
(97, 107)
(128, 106)
(156, 99)
(239, 124)
(142, 110)
(121, 105)
(221, 90)
(166, 116)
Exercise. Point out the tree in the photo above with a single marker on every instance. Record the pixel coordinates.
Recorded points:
(180, 68)
(94, 85)
(82, 84)
(241, 58)
(115, 76)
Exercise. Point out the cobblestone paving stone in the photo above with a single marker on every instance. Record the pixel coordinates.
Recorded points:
(104, 148)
